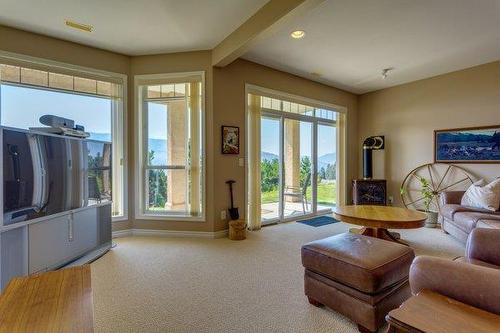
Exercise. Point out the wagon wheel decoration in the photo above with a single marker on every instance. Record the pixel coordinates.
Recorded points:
(440, 177)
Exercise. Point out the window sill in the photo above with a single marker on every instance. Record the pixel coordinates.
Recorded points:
(160, 217)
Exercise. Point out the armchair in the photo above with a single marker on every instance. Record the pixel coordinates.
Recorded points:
(463, 293)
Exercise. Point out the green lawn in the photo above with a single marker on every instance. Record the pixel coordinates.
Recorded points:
(326, 194)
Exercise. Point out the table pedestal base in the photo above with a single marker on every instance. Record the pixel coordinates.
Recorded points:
(378, 233)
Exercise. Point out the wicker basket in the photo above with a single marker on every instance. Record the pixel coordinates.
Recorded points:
(237, 230)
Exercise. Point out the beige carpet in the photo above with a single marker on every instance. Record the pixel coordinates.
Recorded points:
(199, 285)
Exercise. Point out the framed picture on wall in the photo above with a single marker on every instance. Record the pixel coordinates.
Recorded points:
(467, 145)
(230, 140)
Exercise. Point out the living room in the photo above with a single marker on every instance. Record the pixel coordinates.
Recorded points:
(250, 166)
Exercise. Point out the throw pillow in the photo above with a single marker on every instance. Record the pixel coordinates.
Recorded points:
(485, 197)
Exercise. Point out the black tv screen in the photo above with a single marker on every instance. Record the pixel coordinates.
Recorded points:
(47, 174)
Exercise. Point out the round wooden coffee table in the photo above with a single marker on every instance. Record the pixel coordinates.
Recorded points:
(377, 219)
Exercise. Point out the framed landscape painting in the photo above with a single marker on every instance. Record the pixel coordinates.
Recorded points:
(467, 145)
(230, 140)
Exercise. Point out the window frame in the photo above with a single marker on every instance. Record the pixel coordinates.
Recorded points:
(141, 213)
(341, 123)
(118, 121)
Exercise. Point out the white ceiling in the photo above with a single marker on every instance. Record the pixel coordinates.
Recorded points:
(133, 27)
(349, 42)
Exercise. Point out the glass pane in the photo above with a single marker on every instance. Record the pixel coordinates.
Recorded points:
(154, 91)
(326, 114)
(157, 133)
(85, 85)
(327, 167)
(104, 88)
(10, 73)
(35, 77)
(180, 89)
(266, 102)
(276, 104)
(269, 168)
(22, 107)
(60, 81)
(166, 190)
(297, 162)
(99, 172)
(167, 90)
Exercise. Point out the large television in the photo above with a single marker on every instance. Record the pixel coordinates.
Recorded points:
(45, 174)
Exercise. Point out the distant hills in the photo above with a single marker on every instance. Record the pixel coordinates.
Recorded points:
(323, 160)
(159, 147)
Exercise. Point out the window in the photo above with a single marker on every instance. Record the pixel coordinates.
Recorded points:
(94, 99)
(170, 176)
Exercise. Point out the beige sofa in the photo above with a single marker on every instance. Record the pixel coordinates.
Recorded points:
(459, 221)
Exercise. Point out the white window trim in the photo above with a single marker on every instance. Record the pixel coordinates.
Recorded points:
(139, 150)
(257, 90)
(123, 78)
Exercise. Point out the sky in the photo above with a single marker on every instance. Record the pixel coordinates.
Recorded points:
(270, 138)
(22, 107)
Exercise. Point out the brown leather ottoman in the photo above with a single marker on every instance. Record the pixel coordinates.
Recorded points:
(361, 277)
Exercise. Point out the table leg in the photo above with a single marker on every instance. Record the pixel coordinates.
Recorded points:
(387, 235)
(378, 233)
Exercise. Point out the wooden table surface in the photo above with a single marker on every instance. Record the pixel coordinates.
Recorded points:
(58, 301)
(432, 312)
(386, 217)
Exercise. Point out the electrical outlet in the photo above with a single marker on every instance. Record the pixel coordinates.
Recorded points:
(390, 200)
(223, 215)
(241, 162)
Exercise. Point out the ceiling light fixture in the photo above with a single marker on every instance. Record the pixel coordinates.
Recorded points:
(79, 26)
(385, 72)
(298, 34)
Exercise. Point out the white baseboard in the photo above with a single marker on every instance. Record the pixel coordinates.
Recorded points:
(122, 233)
(169, 233)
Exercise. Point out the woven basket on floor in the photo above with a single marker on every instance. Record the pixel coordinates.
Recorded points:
(237, 230)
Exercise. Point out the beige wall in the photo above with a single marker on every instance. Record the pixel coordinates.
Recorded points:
(408, 114)
(229, 109)
(18, 41)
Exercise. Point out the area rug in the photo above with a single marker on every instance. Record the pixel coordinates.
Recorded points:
(319, 221)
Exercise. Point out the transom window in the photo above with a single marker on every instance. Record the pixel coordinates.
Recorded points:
(171, 179)
(270, 103)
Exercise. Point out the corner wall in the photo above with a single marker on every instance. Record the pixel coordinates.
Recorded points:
(408, 115)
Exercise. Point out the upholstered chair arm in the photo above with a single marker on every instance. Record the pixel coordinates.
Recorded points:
(484, 244)
(451, 197)
(470, 284)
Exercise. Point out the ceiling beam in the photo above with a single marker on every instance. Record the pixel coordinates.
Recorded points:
(273, 14)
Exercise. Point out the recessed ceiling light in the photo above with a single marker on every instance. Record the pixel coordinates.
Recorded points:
(79, 26)
(298, 34)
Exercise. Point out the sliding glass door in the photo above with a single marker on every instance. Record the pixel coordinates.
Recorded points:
(326, 162)
(270, 161)
(298, 166)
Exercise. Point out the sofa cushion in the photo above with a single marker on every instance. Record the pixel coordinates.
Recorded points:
(450, 210)
(467, 221)
(490, 224)
(365, 263)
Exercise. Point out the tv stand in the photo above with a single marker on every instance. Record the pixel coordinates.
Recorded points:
(70, 238)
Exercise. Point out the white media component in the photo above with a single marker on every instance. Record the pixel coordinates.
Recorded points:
(56, 201)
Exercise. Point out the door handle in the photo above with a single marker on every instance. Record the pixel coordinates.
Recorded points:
(70, 228)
